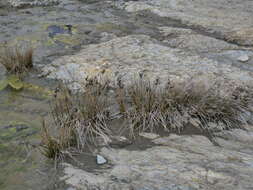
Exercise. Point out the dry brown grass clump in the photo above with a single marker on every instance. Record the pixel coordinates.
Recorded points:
(146, 107)
(78, 119)
(51, 146)
(17, 60)
(150, 107)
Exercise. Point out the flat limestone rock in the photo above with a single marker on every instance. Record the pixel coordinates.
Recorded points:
(32, 3)
(232, 19)
(125, 58)
(176, 162)
(192, 41)
(242, 36)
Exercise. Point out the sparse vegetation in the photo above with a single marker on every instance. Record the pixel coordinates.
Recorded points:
(17, 60)
(51, 146)
(146, 107)
(78, 118)
(176, 106)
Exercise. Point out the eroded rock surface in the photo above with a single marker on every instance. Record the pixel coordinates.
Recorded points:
(126, 57)
(176, 162)
(192, 41)
(210, 41)
(30, 3)
(233, 19)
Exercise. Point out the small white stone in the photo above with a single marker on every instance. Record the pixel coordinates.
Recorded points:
(101, 160)
(243, 58)
(150, 136)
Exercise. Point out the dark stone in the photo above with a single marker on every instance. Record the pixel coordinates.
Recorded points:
(54, 30)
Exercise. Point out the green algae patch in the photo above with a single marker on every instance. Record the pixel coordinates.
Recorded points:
(3, 84)
(49, 42)
(15, 132)
(17, 84)
(61, 33)
(7, 133)
(47, 36)
(13, 81)
(44, 92)
(15, 158)
(32, 39)
(14, 161)
(67, 39)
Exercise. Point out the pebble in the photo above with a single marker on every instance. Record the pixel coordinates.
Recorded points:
(243, 58)
(150, 136)
(101, 160)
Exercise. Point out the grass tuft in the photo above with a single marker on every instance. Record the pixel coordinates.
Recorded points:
(51, 147)
(143, 106)
(78, 118)
(174, 107)
(17, 60)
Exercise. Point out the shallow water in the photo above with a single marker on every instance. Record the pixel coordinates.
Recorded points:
(21, 114)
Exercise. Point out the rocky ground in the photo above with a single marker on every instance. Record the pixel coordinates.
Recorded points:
(191, 38)
(175, 162)
(159, 38)
(212, 40)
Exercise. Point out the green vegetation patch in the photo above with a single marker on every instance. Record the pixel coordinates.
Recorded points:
(15, 132)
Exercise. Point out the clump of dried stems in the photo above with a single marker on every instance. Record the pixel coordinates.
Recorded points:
(78, 118)
(146, 107)
(149, 107)
(17, 60)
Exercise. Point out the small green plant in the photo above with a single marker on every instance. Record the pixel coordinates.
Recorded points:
(17, 60)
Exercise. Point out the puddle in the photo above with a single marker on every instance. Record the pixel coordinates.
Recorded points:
(21, 113)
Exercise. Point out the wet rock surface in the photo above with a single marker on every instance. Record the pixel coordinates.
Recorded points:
(121, 39)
